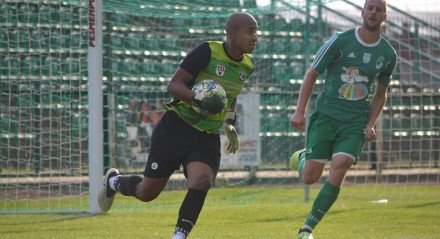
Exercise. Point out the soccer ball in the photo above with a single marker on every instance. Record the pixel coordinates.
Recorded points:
(211, 95)
(294, 159)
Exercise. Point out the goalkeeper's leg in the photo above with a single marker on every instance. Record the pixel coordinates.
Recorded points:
(200, 177)
(145, 189)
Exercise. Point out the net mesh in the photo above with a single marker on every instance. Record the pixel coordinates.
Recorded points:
(43, 104)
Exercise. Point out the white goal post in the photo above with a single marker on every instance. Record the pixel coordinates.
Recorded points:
(96, 139)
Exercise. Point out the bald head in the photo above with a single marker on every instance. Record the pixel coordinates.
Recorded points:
(384, 2)
(239, 20)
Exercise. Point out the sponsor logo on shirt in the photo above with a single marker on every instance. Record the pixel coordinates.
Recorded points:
(220, 70)
(366, 58)
(379, 62)
(242, 76)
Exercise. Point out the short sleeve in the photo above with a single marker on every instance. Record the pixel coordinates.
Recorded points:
(385, 76)
(327, 53)
(197, 59)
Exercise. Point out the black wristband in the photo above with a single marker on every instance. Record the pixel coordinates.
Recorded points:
(231, 118)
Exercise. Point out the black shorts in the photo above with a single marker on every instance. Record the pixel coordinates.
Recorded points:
(174, 143)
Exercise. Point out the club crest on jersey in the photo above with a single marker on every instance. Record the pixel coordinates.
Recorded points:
(242, 76)
(220, 70)
(366, 58)
(379, 62)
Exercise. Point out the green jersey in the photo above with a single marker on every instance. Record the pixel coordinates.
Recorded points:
(353, 70)
(210, 61)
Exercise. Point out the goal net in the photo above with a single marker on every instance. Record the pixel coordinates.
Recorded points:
(44, 154)
(43, 106)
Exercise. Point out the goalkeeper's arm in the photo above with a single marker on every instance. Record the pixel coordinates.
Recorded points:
(178, 85)
(231, 133)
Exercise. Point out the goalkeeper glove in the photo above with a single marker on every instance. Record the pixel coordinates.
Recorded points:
(208, 105)
(231, 133)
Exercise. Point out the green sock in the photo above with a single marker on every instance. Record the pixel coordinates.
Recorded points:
(325, 199)
(302, 160)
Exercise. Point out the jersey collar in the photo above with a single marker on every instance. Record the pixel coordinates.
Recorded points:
(358, 37)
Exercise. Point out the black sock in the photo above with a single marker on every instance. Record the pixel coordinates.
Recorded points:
(126, 185)
(190, 210)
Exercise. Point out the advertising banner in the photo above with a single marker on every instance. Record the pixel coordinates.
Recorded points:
(248, 128)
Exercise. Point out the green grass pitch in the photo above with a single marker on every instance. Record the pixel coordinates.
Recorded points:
(262, 212)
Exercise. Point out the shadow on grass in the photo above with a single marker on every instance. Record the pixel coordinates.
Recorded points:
(64, 216)
(420, 205)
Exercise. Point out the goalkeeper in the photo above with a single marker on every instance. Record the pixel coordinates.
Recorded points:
(186, 138)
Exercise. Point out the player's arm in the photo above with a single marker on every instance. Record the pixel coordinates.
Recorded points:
(379, 98)
(326, 55)
(183, 78)
(179, 83)
(298, 118)
(377, 103)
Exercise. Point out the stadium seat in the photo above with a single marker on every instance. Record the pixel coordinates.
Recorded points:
(10, 11)
(44, 14)
(141, 44)
(263, 46)
(179, 24)
(279, 24)
(296, 25)
(120, 18)
(279, 72)
(13, 65)
(148, 67)
(3, 13)
(115, 40)
(3, 66)
(214, 22)
(168, 68)
(416, 121)
(386, 123)
(427, 122)
(153, 43)
(279, 46)
(406, 122)
(396, 124)
(40, 39)
(3, 38)
(13, 38)
(436, 122)
(250, 3)
(23, 38)
(294, 46)
(427, 100)
(171, 44)
(55, 39)
(75, 15)
(31, 16)
(118, 68)
(297, 69)
(70, 67)
(65, 14)
(31, 66)
(51, 66)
